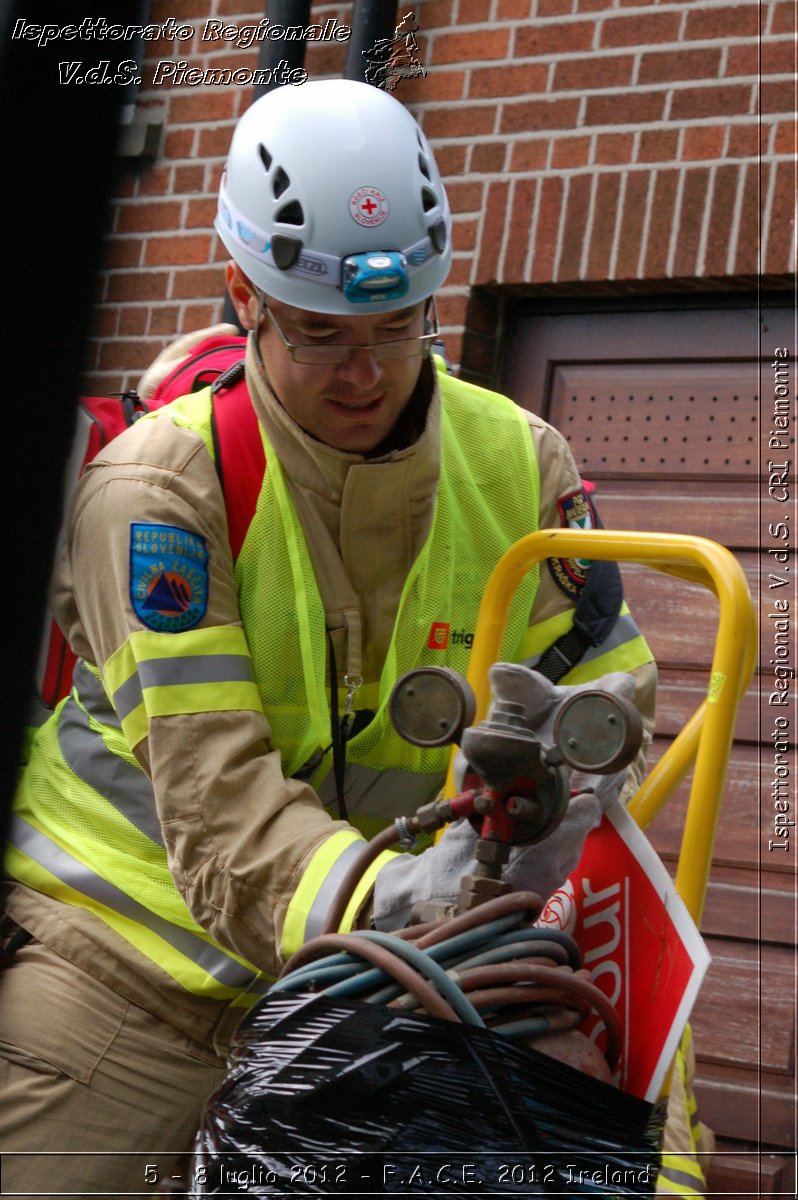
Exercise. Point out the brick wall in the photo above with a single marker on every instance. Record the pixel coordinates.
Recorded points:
(585, 144)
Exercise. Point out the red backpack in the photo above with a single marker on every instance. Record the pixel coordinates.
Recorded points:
(218, 362)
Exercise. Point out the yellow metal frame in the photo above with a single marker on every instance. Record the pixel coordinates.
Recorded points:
(705, 741)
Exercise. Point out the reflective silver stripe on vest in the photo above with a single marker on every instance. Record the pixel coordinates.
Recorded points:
(624, 630)
(193, 668)
(326, 893)
(93, 696)
(681, 1178)
(384, 794)
(124, 786)
(74, 874)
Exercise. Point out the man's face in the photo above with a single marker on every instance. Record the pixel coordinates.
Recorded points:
(353, 405)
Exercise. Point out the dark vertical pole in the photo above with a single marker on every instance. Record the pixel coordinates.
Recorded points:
(372, 21)
(57, 146)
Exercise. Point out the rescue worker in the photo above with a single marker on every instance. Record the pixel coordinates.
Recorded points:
(185, 816)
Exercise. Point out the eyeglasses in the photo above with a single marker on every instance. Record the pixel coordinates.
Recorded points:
(336, 353)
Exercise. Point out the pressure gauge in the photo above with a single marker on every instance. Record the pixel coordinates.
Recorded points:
(431, 706)
(598, 732)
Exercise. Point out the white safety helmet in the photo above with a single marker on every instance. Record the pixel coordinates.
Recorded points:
(331, 200)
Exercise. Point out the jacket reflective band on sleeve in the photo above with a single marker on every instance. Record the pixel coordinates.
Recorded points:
(324, 874)
(167, 674)
(623, 649)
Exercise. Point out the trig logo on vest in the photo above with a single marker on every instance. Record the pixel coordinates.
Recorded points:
(168, 577)
(438, 635)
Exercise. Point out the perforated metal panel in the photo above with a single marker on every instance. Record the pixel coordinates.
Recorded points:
(662, 419)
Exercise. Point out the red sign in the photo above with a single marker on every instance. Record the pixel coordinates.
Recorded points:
(639, 943)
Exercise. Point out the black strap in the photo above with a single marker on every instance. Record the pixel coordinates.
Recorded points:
(596, 612)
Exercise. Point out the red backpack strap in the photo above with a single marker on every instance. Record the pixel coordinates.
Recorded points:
(240, 461)
(207, 361)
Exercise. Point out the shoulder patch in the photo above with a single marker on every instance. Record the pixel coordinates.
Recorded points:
(576, 512)
(168, 577)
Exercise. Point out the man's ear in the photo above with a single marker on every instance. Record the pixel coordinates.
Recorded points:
(242, 293)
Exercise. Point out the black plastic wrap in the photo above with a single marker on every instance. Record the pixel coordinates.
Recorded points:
(335, 1097)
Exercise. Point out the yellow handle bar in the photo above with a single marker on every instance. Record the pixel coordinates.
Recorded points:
(706, 739)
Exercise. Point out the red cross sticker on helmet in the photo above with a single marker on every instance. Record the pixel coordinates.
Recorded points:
(368, 206)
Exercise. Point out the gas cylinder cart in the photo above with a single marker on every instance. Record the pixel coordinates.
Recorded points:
(507, 1046)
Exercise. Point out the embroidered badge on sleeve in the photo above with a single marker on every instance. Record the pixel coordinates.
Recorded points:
(576, 512)
(168, 577)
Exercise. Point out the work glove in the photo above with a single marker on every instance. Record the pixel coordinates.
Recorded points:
(435, 875)
(175, 352)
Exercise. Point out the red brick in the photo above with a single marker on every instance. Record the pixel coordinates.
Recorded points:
(593, 71)
(613, 148)
(125, 355)
(726, 100)
(720, 220)
(574, 228)
(591, 5)
(436, 14)
(460, 273)
(465, 121)
(640, 30)
(691, 216)
(778, 58)
(493, 227)
(133, 320)
(657, 145)
(742, 60)
(508, 80)
(709, 21)
(138, 285)
(666, 66)
(179, 250)
(777, 96)
(515, 253)
(178, 143)
(465, 197)
(442, 85)
(781, 222)
(488, 157)
(535, 40)
(183, 11)
(536, 115)
(200, 213)
(121, 252)
(464, 234)
(213, 142)
(602, 231)
(619, 109)
(472, 47)
(189, 179)
(783, 18)
(164, 319)
(743, 141)
(659, 232)
(157, 180)
(548, 224)
(200, 316)
(570, 152)
(102, 383)
(450, 159)
(156, 215)
(529, 155)
(746, 259)
(631, 224)
(451, 309)
(105, 321)
(194, 282)
(553, 8)
(784, 141)
(514, 10)
(472, 12)
(327, 58)
(703, 141)
(190, 105)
